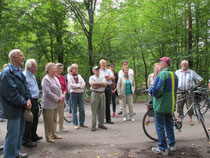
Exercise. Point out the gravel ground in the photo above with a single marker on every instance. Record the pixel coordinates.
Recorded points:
(121, 140)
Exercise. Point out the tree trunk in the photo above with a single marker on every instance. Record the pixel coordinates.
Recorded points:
(190, 34)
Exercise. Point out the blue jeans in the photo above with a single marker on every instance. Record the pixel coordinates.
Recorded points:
(1, 113)
(77, 101)
(164, 124)
(14, 136)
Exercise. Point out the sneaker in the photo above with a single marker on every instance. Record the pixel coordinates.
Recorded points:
(158, 151)
(173, 148)
(133, 120)
(115, 115)
(120, 113)
(124, 119)
(76, 127)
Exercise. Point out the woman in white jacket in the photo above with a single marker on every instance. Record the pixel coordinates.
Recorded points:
(126, 88)
(77, 85)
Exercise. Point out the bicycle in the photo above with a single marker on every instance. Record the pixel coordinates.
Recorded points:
(149, 124)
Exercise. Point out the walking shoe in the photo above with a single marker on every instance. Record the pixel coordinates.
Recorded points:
(29, 144)
(132, 120)
(173, 148)
(115, 115)
(158, 151)
(36, 138)
(62, 130)
(76, 127)
(22, 155)
(191, 123)
(124, 119)
(109, 122)
(50, 140)
(93, 129)
(120, 113)
(83, 125)
(56, 137)
(102, 127)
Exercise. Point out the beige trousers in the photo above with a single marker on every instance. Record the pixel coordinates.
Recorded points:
(97, 107)
(180, 105)
(129, 100)
(60, 115)
(50, 122)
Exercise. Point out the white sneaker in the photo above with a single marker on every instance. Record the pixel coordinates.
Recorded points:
(173, 148)
(124, 119)
(132, 120)
(158, 151)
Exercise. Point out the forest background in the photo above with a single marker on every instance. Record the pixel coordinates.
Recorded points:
(85, 31)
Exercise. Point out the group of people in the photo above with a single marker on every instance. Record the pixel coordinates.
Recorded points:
(23, 94)
(105, 85)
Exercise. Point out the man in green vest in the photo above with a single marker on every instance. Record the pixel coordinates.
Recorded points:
(164, 100)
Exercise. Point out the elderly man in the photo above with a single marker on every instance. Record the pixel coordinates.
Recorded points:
(109, 76)
(98, 85)
(164, 100)
(15, 98)
(30, 136)
(120, 74)
(187, 80)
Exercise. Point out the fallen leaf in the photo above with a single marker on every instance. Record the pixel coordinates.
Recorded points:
(112, 145)
(131, 156)
(110, 155)
(115, 153)
(193, 145)
(93, 145)
(98, 157)
(182, 153)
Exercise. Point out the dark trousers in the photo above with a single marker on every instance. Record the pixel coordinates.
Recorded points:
(108, 94)
(31, 127)
(114, 97)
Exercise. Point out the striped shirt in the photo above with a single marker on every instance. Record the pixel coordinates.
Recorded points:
(188, 79)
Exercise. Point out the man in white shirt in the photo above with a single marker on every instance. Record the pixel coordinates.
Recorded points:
(109, 76)
(187, 79)
(120, 74)
(98, 85)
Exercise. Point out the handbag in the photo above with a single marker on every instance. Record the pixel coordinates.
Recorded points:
(28, 115)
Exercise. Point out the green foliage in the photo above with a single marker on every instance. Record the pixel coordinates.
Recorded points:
(135, 30)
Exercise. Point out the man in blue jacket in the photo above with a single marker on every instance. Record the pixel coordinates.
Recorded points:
(164, 100)
(15, 98)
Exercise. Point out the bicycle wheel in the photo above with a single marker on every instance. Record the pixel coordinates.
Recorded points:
(67, 117)
(203, 106)
(148, 124)
(201, 119)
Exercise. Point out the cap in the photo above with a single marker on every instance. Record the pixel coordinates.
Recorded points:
(167, 60)
(95, 68)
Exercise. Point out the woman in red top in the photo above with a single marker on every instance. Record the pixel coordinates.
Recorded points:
(63, 84)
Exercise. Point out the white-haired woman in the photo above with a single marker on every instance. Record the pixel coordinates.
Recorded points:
(51, 98)
(77, 84)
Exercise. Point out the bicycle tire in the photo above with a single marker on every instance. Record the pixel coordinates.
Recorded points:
(201, 120)
(149, 127)
(40, 109)
(66, 113)
(204, 107)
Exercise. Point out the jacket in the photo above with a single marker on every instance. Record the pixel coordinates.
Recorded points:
(51, 92)
(121, 84)
(76, 87)
(14, 93)
(164, 91)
